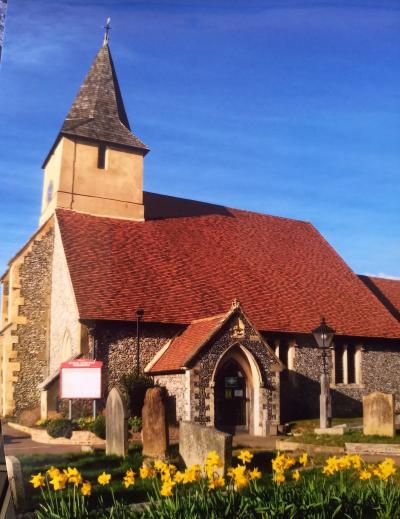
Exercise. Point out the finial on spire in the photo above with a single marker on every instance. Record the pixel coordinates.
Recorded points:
(107, 27)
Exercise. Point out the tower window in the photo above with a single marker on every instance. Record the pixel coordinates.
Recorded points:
(101, 158)
(49, 194)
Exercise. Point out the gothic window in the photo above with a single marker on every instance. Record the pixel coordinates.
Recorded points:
(285, 352)
(101, 158)
(339, 364)
(347, 365)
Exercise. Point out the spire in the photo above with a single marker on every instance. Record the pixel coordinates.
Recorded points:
(98, 111)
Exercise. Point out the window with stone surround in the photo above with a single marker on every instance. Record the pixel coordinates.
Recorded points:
(101, 158)
(346, 364)
(284, 350)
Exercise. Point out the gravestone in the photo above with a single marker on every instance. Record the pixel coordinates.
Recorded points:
(116, 424)
(196, 441)
(154, 424)
(378, 414)
(7, 509)
(16, 479)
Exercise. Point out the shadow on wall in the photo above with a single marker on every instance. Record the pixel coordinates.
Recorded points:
(299, 399)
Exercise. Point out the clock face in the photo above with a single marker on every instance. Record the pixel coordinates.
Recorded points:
(49, 192)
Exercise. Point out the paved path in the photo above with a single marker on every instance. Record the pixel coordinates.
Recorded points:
(17, 443)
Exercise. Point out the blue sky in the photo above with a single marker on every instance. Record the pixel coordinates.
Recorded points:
(285, 107)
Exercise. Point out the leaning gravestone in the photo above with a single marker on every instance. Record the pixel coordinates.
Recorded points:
(116, 424)
(378, 414)
(154, 424)
(196, 441)
(7, 509)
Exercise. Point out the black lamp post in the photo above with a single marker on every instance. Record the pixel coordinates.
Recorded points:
(323, 336)
(139, 315)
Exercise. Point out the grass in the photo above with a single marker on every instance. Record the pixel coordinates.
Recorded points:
(90, 465)
(304, 433)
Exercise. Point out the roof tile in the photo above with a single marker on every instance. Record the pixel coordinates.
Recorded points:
(193, 264)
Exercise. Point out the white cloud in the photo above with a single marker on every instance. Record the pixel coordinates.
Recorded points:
(383, 275)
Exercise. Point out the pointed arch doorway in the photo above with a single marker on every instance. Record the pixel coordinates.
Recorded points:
(237, 382)
(231, 397)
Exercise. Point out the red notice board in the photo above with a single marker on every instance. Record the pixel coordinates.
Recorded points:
(81, 379)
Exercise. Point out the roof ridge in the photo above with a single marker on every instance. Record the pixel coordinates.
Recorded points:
(202, 319)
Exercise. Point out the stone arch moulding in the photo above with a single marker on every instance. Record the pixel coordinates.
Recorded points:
(254, 380)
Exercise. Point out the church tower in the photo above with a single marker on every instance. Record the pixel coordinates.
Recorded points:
(96, 163)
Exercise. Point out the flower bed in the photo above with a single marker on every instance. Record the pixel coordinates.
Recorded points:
(41, 436)
(344, 487)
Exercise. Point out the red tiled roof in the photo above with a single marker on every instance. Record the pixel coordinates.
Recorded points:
(387, 291)
(182, 346)
(189, 267)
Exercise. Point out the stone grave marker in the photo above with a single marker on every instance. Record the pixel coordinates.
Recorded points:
(378, 414)
(196, 441)
(154, 424)
(7, 509)
(116, 424)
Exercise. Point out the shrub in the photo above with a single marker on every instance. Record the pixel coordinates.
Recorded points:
(98, 426)
(135, 387)
(83, 423)
(135, 424)
(59, 427)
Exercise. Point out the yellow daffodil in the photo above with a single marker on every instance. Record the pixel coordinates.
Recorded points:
(86, 488)
(53, 471)
(104, 479)
(160, 466)
(245, 456)
(179, 477)
(73, 475)
(213, 460)
(59, 481)
(38, 480)
(281, 463)
(239, 477)
(386, 469)
(332, 465)
(255, 474)
(166, 488)
(365, 475)
(356, 461)
(214, 483)
(296, 475)
(129, 478)
(193, 473)
(279, 478)
(303, 459)
(146, 471)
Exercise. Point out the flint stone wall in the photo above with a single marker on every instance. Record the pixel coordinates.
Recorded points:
(33, 337)
(380, 365)
(178, 399)
(116, 347)
(196, 441)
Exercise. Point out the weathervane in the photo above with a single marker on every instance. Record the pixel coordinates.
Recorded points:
(107, 27)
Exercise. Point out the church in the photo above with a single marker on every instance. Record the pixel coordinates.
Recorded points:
(224, 300)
